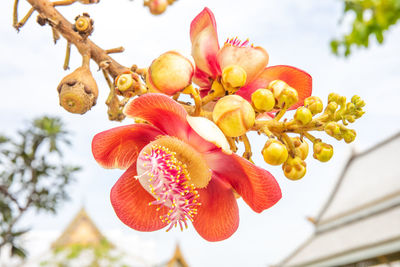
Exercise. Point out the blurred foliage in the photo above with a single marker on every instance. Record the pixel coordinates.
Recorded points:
(32, 176)
(372, 18)
(93, 255)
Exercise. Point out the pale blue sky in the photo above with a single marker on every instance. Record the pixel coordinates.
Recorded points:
(294, 32)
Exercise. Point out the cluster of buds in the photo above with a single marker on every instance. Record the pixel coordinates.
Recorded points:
(292, 151)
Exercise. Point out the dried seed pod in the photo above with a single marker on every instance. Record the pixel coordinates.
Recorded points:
(78, 91)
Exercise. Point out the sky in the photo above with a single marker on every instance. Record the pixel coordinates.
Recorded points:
(294, 32)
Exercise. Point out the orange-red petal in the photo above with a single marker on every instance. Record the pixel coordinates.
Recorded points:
(162, 112)
(218, 215)
(203, 35)
(131, 204)
(257, 186)
(120, 146)
(296, 78)
(168, 116)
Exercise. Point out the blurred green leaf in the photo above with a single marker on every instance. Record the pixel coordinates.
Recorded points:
(372, 17)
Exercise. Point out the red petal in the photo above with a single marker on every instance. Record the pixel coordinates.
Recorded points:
(162, 112)
(120, 146)
(296, 78)
(257, 186)
(201, 78)
(203, 35)
(218, 215)
(131, 204)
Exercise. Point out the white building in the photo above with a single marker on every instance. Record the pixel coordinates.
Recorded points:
(359, 225)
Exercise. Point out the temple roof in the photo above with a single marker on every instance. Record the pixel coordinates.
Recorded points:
(177, 260)
(81, 230)
(361, 219)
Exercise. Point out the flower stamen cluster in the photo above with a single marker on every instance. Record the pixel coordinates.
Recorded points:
(169, 184)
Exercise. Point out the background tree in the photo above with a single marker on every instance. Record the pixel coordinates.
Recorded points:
(32, 177)
(372, 18)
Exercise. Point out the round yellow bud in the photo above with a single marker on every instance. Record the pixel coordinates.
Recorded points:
(157, 7)
(333, 129)
(301, 147)
(263, 100)
(233, 76)
(288, 97)
(294, 168)
(303, 115)
(331, 108)
(124, 82)
(277, 86)
(349, 136)
(233, 115)
(274, 152)
(314, 104)
(169, 73)
(322, 151)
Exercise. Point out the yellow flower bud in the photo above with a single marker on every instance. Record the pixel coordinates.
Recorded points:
(333, 129)
(156, 7)
(124, 82)
(349, 136)
(358, 101)
(333, 97)
(263, 100)
(314, 104)
(277, 87)
(322, 151)
(301, 147)
(331, 108)
(169, 73)
(274, 152)
(294, 168)
(288, 97)
(233, 115)
(303, 115)
(233, 76)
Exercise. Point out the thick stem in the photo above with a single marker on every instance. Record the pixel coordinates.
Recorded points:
(65, 28)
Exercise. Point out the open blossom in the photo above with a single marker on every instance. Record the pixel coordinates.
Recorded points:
(179, 169)
(211, 60)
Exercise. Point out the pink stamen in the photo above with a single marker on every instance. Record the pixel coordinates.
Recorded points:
(237, 42)
(169, 184)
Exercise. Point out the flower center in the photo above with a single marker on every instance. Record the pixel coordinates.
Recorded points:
(165, 169)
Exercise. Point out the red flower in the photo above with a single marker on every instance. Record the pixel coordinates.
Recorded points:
(175, 175)
(211, 60)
